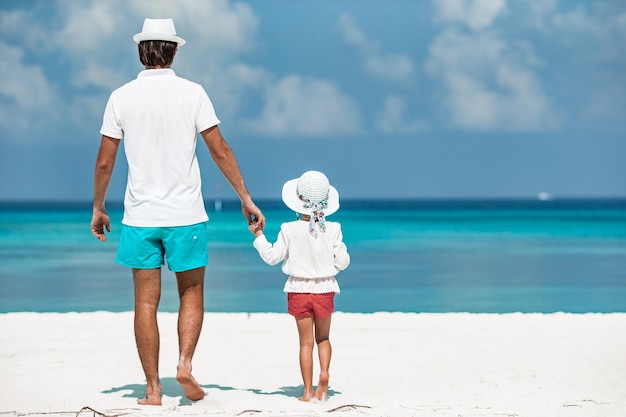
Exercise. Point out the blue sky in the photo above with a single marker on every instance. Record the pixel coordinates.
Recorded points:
(391, 99)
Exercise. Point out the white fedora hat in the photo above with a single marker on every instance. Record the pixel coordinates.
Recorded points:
(311, 187)
(158, 30)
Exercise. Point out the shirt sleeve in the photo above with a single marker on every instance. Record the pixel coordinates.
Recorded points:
(206, 116)
(340, 250)
(111, 126)
(271, 254)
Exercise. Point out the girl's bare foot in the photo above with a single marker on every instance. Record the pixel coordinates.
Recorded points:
(191, 388)
(321, 392)
(152, 397)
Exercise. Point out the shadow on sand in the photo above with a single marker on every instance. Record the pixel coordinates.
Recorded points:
(171, 388)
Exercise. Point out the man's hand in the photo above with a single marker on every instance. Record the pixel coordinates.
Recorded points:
(253, 214)
(99, 222)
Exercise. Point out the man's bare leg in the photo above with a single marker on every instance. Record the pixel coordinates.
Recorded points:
(190, 317)
(324, 350)
(305, 332)
(147, 296)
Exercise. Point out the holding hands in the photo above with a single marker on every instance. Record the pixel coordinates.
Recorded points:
(256, 219)
(256, 227)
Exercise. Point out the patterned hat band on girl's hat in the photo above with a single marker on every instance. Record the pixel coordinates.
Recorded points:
(313, 195)
(317, 212)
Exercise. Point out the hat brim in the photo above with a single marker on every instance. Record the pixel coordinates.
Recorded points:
(155, 36)
(291, 200)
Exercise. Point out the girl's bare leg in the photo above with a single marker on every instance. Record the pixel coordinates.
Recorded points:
(324, 350)
(305, 332)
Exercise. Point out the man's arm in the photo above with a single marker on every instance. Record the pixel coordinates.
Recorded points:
(105, 161)
(225, 160)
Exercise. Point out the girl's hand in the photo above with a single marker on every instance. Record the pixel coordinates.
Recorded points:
(255, 227)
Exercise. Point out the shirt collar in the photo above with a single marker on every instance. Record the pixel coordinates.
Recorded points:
(156, 72)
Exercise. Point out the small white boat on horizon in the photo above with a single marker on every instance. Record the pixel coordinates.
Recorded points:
(543, 196)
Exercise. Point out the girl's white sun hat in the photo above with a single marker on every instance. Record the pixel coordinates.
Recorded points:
(311, 192)
(158, 30)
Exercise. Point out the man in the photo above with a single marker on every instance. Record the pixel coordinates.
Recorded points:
(159, 115)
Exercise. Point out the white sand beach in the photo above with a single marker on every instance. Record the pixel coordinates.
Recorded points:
(384, 364)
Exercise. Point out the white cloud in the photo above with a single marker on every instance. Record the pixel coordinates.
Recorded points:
(471, 104)
(393, 67)
(26, 96)
(385, 65)
(94, 74)
(594, 35)
(219, 25)
(476, 14)
(489, 84)
(90, 26)
(351, 33)
(541, 12)
(99, 31)
(17, 27)
(91, 42)
(577, 20)
(90, 45)
(605, 23)
(392, 118)
(489, 80)
(234, 87)
(306, 107)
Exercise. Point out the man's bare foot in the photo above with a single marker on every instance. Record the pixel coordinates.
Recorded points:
(321, 392)
(152, 397)
(191, 388)
(307, 395)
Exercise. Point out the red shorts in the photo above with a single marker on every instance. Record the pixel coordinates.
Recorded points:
(306, 304)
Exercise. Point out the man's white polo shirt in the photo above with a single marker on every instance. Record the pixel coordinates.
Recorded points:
(159, 116)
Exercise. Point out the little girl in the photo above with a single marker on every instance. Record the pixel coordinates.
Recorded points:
(312, 251)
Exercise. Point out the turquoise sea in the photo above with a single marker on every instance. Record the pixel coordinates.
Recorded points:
(490, 256)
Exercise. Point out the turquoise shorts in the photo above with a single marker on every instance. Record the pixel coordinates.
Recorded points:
(182, 247)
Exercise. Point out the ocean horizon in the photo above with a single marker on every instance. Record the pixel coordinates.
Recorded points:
(422, 255)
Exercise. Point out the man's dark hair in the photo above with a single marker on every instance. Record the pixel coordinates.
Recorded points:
(157, 53)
